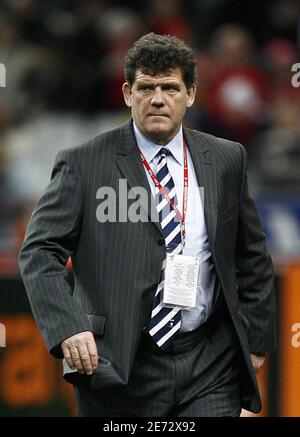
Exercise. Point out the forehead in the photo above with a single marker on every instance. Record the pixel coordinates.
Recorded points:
(173, 74)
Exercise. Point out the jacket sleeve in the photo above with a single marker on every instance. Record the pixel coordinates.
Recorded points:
(255, 275)
(50, 239)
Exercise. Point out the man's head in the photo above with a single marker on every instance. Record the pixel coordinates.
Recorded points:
(160, 84)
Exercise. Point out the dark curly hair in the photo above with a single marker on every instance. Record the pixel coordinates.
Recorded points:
(153, 54)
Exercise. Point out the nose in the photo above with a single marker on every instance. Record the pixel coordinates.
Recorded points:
(157, 97)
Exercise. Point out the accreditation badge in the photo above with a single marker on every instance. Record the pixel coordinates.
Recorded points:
(181, 280)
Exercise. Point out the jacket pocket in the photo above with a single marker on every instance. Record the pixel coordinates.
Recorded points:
(97, 323)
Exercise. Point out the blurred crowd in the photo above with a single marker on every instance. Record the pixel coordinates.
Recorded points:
(64, 72)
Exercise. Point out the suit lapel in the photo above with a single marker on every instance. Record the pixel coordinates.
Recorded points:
(129, 163)
(205, 168)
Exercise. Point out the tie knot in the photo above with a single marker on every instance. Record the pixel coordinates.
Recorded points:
(164, 151)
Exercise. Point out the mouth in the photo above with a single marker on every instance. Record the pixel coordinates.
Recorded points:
(158, 115)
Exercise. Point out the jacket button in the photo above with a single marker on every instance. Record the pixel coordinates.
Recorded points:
(161, 241)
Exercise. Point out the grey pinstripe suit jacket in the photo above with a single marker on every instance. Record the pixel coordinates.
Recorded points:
(117, 265)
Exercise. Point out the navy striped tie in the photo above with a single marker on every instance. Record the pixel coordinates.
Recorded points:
(165, 322)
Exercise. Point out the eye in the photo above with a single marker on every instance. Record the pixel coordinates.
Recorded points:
(171, 88)
(144, 88)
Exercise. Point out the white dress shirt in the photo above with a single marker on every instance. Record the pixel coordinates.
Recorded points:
(196, 241)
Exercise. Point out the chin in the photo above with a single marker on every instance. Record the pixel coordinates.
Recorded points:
(159, 129)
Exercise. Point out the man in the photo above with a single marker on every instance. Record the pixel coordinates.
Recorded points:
(173, 306)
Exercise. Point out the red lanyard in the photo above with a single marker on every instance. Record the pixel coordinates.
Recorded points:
(180, 216)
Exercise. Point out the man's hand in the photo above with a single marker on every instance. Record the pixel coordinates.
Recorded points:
(80, 352)
(257, 362)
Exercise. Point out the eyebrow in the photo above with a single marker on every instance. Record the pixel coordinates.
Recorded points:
(171, 82)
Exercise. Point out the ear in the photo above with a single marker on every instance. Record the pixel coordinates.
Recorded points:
(191, 93)
(127, 94)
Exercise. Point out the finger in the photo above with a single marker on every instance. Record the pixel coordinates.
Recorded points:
(76, 359)
(85, 359)
(92, 348)
(67, 356)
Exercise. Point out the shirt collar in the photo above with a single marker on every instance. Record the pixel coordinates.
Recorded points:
(150, 149)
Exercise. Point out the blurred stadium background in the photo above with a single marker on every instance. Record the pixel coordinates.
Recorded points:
(63, 63)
